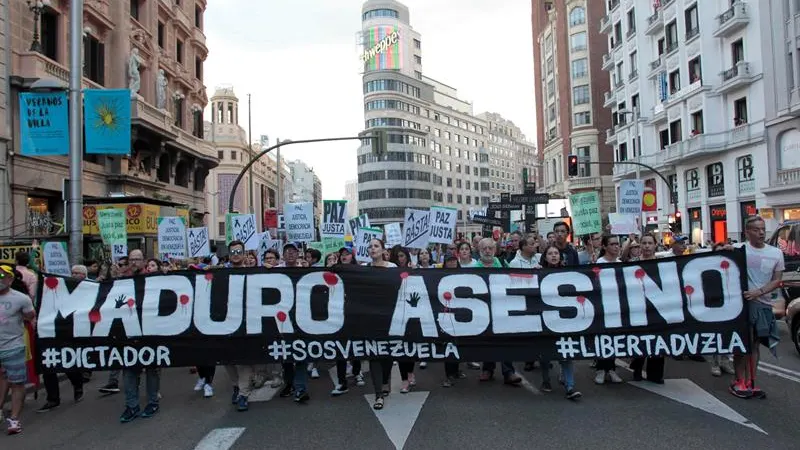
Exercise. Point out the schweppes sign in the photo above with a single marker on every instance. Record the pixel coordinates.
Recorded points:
(140, 218)
(381, 46)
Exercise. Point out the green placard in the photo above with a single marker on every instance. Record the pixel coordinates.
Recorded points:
(112, 226)
(586, 213)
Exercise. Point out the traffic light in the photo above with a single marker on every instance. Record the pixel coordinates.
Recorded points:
(572, 165)
(380, 142)
(524, 175)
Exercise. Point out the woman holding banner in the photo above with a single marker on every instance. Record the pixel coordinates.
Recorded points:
(380, 369)
(401, 258)
(655, 364)
(607, 368)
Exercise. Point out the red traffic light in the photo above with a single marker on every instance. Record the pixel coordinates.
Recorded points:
(678, 215)
(572, 165)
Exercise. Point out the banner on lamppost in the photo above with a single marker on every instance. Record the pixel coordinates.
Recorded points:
(107, 121)
(44, 124)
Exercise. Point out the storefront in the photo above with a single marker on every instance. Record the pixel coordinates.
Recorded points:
(695, 226)
(718, 216)
(746, 210)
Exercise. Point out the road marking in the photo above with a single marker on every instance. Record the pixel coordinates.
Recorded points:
(687, 392)
(527, 385)
(782, 372)
(400, 411)
(220, 439)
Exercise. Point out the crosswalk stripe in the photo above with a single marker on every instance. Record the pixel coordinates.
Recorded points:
(220, 439)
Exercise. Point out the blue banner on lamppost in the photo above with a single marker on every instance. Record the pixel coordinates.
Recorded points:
(44, 124)
(107, 121)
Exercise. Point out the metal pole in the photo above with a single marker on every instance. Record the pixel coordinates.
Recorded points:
(279, 206)
(250, 152)
(75, 131)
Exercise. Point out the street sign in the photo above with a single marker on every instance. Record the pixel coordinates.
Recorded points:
(530, 199)
(483, 220)
(530, 188)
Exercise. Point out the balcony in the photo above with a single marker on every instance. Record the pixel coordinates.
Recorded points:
(611, 136)
(608, 100)
(685, 92)
(656, 67)
(34, 66)
(622, 170)
(671, 47)
(618, 83)
(693, 33)
(659, 113)
(703, 145)
(736, 77)
(584, 183)
(732, 20)
(788, 177)
(655, 23)
(608, 62)
(633, 75)
(631, 32)
(605, 25)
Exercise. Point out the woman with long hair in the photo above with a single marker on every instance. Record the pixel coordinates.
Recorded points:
(424, 260)
(606, 367)
(655, 364)
(401, 258)
(551, 259)
(334, 259)
(465, 258)
(379, 369)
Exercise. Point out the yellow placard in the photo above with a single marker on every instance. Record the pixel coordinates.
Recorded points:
(7, 253)
(140, 218)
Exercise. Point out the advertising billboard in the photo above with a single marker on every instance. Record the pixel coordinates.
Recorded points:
(382, 48)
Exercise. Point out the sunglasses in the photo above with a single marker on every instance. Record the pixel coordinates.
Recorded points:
(237, 252)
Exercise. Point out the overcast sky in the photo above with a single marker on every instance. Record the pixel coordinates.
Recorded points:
(299, 60)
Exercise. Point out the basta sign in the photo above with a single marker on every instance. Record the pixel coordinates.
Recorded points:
(140, 218)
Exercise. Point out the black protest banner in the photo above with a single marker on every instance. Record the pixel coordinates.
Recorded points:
(686, 305)
(333, 218)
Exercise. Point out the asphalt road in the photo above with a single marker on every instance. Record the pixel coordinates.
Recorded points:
(469, 415)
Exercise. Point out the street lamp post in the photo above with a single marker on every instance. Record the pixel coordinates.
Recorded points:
(36, 7)
(75, 130)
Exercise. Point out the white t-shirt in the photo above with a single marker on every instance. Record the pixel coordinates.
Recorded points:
(389, 265)
(761, 263)
(13, 304)
(604, 260)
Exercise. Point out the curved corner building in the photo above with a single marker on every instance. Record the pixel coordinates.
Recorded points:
(436, 153)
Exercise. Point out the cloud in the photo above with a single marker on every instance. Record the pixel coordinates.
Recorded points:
(299, 60)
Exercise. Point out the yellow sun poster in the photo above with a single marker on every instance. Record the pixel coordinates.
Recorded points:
(107, 121)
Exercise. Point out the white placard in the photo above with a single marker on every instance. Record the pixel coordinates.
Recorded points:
(443, 225)
(394, 234)
(334, 219)
(119, 251)
(265, 244)
(630, 197)
(416, 228)
(56, 260)
(623, 224)
(243, 228)
(362, 240)
(172, 237)
(299, 219)
(198, 242)
(355, 223)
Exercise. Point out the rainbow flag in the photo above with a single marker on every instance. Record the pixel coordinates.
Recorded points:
(30, 351)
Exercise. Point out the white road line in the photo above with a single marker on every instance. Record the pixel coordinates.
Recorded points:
(220, 439)
(778, 374)
(527, 385)
(790, 372)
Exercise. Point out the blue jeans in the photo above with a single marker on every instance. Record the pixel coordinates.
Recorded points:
(298, 374)
(567, 370)
(130, 378)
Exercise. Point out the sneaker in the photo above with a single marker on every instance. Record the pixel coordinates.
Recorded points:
(276, 382)
(14, 426)
(199, 385)
(739, 389)
(546, 387)
(614, 377)
(461, 375)
(301, 397)
(110, 388)
(727, 366)
(758, 393)
(235, 396)
(600, 377)
(405, 387)
(340, 389)
(47, 407)
(129, 414)
(150, 410)
(208, 391)
(314, 373)
(287, 391)
(572, 394)
(448, 382)
(423, 365)
(716, 371)
(242, 404)
(77, 395)
(474, 366)
(412, 380)
(360, 380)
(513, 379)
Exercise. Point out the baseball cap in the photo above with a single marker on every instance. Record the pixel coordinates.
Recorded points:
(680, 238)
(290, 245)
(6, 270)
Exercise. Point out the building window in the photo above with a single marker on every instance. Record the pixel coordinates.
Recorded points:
(418, 59)
(161, 33)
(583, 118)
(135, 9)
(577, 16)
(631, 21)
(578, 41)
(580, 68)
(179, 51)
(697, 123)
(737, 51)
(49, 33)
(198, 68)
(622, 152)
(381, 13)
(417, 44)
(674, 82)
(220, 154)
(740, 111)
(695, 71)
(663, 137)
(691, 22)
(672, 36)
(233, 155)
(675, 132)
(617, 39)
(549, 65)
(633, 60)
(198, 16)
(95, 60)
(580, 95)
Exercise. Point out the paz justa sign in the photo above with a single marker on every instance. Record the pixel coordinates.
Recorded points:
(687, 305)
